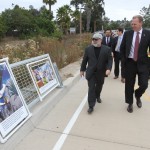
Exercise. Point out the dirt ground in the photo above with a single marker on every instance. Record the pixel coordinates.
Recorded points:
(70, 70)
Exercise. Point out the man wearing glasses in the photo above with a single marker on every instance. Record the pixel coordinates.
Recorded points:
(97, 62)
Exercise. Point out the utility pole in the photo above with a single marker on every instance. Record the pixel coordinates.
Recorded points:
(80, 22)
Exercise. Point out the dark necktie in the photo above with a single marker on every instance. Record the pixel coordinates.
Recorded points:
(136, 46)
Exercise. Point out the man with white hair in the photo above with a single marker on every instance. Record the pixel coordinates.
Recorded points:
(97, 62)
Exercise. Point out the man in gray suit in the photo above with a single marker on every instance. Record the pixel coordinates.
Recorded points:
(97, 62)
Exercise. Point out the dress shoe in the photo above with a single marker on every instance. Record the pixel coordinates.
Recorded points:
(90, 110)
(123, 80)
(99, 100)
(115, 77)
(130, 108)
(138, 102)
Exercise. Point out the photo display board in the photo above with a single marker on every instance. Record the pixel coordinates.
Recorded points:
(43, 75)
(13, 110)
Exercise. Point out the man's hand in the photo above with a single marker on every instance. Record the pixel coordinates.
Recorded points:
(82, 73)
(107, 72)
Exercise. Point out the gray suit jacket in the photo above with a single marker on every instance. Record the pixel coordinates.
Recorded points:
(90, 64)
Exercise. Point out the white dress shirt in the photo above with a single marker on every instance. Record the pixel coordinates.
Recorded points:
(117, 48)
(131, 55)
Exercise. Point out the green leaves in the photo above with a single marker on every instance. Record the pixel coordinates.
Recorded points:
(145, 12)
(64, 18)
(24, 23)
(50, 3)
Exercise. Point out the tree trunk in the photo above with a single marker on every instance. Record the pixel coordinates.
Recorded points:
(94, 25)
(49, 8)
(88, 18)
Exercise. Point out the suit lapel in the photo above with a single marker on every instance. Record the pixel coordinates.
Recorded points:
(130, 38)
(142, 37)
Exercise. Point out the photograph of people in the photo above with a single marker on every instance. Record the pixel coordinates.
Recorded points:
(43, 74)
(9, 98)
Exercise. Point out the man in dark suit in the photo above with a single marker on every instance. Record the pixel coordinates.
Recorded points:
(134, 48)
(107, 39)
(97, 62)
(116, 54)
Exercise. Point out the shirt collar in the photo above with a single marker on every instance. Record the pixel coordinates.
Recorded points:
(140, 32)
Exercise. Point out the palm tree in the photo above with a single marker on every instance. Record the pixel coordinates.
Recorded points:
(88, 9)
(93, 9)
(50, 3)
(76, 18)
(76, 3)
(97, 11)
(64, 17)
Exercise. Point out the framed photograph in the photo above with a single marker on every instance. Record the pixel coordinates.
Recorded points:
(43, 75)
(13, 110)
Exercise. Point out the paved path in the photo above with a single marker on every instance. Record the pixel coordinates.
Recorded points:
(68, 126)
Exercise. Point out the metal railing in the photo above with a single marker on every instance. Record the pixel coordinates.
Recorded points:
(24, 80)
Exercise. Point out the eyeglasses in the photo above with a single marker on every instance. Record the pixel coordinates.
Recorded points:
(95, 39)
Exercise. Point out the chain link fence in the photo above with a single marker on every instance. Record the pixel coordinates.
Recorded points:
(24, 80)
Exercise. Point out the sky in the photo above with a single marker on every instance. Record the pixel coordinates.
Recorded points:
(114, 9)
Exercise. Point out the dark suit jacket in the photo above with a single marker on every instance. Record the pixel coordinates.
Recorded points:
(142, 51)
(110, 41)
(90, 64)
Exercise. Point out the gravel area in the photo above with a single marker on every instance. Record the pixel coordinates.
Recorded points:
(70, 70)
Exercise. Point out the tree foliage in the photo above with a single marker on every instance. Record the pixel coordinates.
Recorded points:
(2, 28)
(93, 11)
(64, 18)
(145, 12)
(43, 21)
(25, 23)
(49, 3)
(19, 20)
(76, 3)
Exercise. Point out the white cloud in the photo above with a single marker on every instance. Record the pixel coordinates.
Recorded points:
(115, 10)
(118, 10)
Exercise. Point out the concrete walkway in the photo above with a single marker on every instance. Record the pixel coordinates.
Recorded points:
(109, 127)
(68, 126)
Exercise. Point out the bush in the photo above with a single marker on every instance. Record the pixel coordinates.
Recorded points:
(63, 52)
(57, 34)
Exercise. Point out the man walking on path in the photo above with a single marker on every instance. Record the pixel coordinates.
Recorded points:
(116, 54)
(107, 39)
(135, 44)
(97, 62)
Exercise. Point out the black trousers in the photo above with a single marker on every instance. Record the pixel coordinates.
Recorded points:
(131, 70)
(95, 84)
(117, 62)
